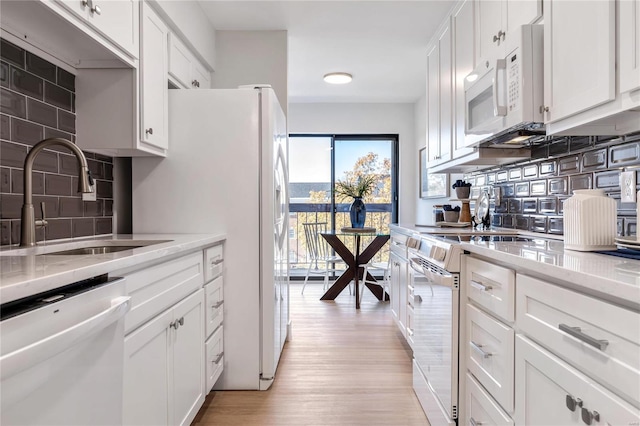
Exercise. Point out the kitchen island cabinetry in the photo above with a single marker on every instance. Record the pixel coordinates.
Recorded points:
(400, 282)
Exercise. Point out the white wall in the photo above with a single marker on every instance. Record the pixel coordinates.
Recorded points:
(248, 57)
(346, 118)
(424, 207)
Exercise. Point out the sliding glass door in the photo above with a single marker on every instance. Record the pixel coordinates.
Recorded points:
(317, 162)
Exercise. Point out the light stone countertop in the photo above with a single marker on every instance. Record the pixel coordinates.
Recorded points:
(25, 272)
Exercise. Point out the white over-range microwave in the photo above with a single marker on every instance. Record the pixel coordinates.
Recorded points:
(503, 97)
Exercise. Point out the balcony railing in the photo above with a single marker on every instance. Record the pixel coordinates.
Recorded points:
(378, 216)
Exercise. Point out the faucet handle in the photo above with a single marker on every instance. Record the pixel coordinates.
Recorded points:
(43, 222)
(90, 177)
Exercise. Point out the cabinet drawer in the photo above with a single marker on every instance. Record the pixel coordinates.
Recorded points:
(547, 385)
(490, 355)
(156, 288)
(213, 257)
(549, 314)
(213, 299)
(492, 287)
(409, 325)
(481, 408)
(214, 348)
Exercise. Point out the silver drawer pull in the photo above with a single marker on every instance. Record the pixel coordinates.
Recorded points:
(217, 305)
(473, 422)
(479, 349)
(218, 358)
(409, 332)
(217, 261)
(480, 286)
(578, 334)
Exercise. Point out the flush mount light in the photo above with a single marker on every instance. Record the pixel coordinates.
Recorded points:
(471, 77)
(338, 78)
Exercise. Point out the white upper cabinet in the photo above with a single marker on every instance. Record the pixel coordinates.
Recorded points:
(496, 18)
(185, 68)
(117, 20)
(440, 96)
(579, 56)
(154, 112)
(629, 45)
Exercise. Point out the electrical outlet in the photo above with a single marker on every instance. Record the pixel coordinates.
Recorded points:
(628, 187)
(90, 196)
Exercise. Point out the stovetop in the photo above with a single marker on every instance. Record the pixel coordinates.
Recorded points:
(490, 238)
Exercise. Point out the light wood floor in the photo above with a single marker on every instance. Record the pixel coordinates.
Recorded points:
(342, 367)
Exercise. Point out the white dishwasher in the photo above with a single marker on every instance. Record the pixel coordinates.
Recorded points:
(62, 355)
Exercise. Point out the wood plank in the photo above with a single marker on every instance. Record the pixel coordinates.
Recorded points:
(342, 367)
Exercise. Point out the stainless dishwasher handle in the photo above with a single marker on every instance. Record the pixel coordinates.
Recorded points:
(479, 349)
(578, 334)
(217, 305)
(479, 286)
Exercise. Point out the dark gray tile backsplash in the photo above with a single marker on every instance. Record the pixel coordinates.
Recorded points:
(36, 102)
(533, 193)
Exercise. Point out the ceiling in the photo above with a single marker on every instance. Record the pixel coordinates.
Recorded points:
(381, 43)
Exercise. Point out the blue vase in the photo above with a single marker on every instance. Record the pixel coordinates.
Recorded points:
(357, 213)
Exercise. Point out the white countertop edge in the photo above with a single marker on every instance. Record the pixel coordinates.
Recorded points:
(33, 274)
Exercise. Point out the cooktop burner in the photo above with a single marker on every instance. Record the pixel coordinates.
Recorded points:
(491, 238)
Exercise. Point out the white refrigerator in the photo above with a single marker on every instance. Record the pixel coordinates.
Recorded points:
(226, 172)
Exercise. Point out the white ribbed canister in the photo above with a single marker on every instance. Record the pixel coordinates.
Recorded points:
(590, 221)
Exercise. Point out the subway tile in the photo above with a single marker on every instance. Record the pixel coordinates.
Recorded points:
(41, 67)
(73, 102)
(5, 232)
(522, 222)
(630, 226)
(71, 207)
(522, 189)
(12, 155)
(42, 113)
(515, 174)
(496, 220)
(66, 80)
(606, 139)
(55, 133)
(548, 205)
(46, 161)
(4, 74)
(104, 189)
(569, 165)
(104, 226)
(632, 137)
(624, 155)
(580, 142)
(559, 147)
(95, 208)
(26, 132)
(96, 168)
(503, 207)
(66, 121)
(530, 171)
(11, 53)
(51, 205)
(82, 227)
(610, 179)
(57, 96)
(480, 180)
(538, 224)
(108, 171)
(13, 103)
(620, 226)
(539, 152)
(547, 168)
(508, 221)
(5, 127)
(594, 160)
(26, 83)
(108, 207)
(17, 182)
(10, 206)
(624, 209)
(561, 201)
(57, 185)
(508, 190)
(502, 176)
(584, 181)
(558, 186)
(5, 180)
(538, 187)
(491, 178)
(58, 228)
(514, 205)
(530, 205)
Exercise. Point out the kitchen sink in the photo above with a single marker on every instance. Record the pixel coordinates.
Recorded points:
(83, 248)
(93, 250)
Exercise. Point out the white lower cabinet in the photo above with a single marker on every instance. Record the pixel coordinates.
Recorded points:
(214, 357)
(550, 392)
(163, 368)
(481, 409)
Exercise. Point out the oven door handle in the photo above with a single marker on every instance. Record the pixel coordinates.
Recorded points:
(435, 278)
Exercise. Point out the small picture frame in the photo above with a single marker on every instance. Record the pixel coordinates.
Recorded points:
(432, 185)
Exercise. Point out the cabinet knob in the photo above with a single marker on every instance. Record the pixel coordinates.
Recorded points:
(96, 9)
(149, 131)
(572, 403)
(543, 109)
(589, 416)
(195, 83)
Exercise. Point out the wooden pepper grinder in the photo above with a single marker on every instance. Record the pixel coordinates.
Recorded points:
(465, 211)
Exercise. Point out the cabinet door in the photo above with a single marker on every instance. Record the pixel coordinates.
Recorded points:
(433, 103)
(579, 56)
(118, 20)
(76, 6)
(153, 83)
(446, 92)
(179, 61)
(394, 280)
(488, 24)
(147, 363)
(545, 384)
(188, 358)
(522, 12)
(200, 75)
(402, 296)
(629, 44)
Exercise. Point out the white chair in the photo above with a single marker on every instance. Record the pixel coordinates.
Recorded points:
(375, 268)
(319, 251)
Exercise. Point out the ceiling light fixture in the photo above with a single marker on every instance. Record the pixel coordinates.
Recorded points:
(338, 78)
(471, 77)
